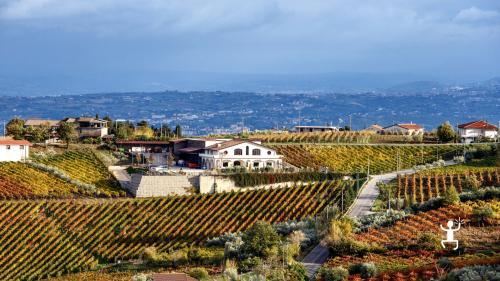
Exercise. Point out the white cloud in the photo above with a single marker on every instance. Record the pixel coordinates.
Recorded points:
(474, 14)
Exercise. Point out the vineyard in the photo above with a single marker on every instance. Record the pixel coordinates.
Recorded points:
(404, 260)
(360, 158)
(21, 181)
(49, 237)
(83, 165)
(341, 137)
(420, 188)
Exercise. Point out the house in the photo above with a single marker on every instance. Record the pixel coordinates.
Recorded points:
(172, 277)
(240, 153)
(143, 146)
(89, 127)
(306, 129)
(14, 150)
(188, 150)
(475, 130)
(52, 125)
(404, 128)
(374, 128)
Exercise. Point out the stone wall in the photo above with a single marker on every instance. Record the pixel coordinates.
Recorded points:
(152, 186)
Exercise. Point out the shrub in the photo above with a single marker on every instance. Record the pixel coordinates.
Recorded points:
(199, 273)
(451, 196)
(482, 215)
(472, 273)
(297, 272)
(259, 239)
(141, 277)
(428, 241)
(445, 263)
(332, 274)
(366, 270)
(470, 183)
(150, 254)
(249, 264)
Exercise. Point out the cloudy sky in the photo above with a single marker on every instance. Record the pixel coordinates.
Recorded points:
(441, 39)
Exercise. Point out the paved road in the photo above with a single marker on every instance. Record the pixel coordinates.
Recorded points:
(120, 174)
(361, 207)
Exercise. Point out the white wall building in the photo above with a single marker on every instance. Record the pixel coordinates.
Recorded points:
(14, 150)
(240, 153)
(472, 131)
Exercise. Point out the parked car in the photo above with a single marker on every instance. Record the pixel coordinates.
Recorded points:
(159, 169)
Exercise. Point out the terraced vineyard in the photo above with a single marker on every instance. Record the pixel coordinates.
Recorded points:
(421, 187)
(341, 137)
(21, 181)
(409, 263)
(358, 158)
(84, 166)
(48, 237)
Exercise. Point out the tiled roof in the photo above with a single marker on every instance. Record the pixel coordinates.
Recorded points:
(14, 142)
(480, 124)
(410, 126)
(131, 142)
(40, 122)
(226, 144)
(172, 277)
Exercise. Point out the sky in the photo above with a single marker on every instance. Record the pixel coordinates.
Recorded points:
(105, 43)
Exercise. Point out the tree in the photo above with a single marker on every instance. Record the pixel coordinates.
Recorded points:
(15, 128)
(332, 274)
(260, 239)
(39, 134)
(178, 131)
(451, 196)
(124, 131)
(446, 133)
(66, 132)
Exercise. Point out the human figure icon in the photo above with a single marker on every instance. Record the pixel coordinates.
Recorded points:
(449, 234)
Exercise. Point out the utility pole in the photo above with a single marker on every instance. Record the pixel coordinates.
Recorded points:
(350, 124)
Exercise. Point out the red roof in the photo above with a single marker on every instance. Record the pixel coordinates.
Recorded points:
(14, 142)
(172, 277)
(480, 124)
(142, 142)
(410, 126)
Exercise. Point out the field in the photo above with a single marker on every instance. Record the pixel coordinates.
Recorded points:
(83, 165)
(49, 237)
(340, 137)
(404, 256)
(421, 187)
(21, 181)
(361, 158)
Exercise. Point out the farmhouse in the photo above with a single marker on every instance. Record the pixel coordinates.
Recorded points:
(404, 128)
(89, 127)
(304, 129)
(14, 150)
(472, 131)
(240, 153)
(374, 128)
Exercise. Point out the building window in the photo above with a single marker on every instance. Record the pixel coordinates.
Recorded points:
(225, 164)
(21, 147)
(8, 146)
(237, 163)
(256, 164)
(256, 151)
(238, 151)
(247, 150)
(269, 164)
(269, 152)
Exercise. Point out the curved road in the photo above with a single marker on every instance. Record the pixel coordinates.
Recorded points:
(361, 207)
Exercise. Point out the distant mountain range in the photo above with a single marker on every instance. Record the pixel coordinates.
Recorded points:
(228, 82)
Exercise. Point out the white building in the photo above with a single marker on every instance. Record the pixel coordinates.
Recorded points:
(472, 131)
(239, 153)
(14, 150)
(407, 129)
(309, 129)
